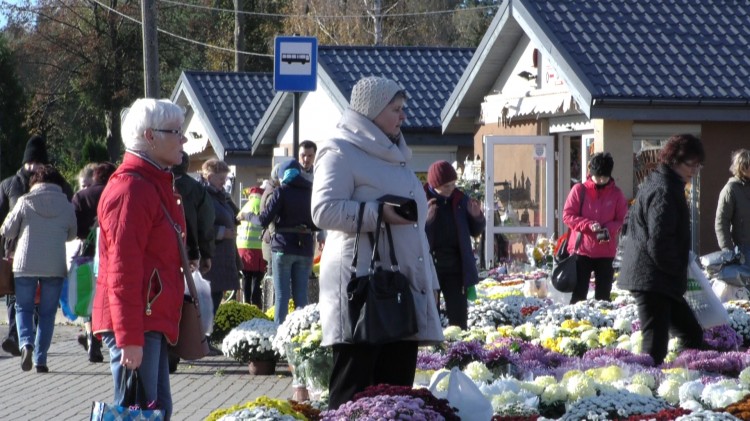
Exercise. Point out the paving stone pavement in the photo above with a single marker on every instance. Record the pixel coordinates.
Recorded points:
(68, 390)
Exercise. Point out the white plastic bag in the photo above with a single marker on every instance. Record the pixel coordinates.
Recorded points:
(462, 394)
(702, 299)
(206, 305)
(728, 292)
(556, 296)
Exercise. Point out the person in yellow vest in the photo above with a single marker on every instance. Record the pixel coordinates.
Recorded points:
(249, 245)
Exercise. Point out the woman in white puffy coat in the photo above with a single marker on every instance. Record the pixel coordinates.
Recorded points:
(366, 159)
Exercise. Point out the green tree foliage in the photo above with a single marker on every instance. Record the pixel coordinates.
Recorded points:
(78, 63)
(13, 136)
(473, 20)
(94, 151)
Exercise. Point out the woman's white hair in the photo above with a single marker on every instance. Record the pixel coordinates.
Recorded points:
(147, 113)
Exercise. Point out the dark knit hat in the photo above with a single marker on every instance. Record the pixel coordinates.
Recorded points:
(36, 151)
(441, 172)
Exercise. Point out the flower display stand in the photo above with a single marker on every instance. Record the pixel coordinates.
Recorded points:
(262, 367)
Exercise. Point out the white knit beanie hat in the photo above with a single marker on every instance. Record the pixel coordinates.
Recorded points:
(371, 94)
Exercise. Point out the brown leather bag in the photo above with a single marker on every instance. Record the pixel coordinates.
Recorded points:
(6, 277)
(192, 343)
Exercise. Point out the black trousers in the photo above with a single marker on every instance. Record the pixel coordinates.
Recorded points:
(454, 294)
(659, 314)
(252, 290)
(355, 367)
(604, 274)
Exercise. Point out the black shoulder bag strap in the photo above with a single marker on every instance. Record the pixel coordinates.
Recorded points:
(356, 239)
(580, 213)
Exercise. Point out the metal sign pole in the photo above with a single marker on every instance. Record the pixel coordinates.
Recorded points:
(295, 136)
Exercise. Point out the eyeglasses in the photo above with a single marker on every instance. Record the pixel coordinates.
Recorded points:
(173, 131)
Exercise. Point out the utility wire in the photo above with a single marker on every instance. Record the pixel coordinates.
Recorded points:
(229, 50)
(311, 16)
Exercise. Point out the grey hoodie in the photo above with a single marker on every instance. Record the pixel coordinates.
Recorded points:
(732, 224)
(42, 221)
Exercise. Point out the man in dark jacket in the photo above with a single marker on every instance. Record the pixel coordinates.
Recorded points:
(11, 189)
(199, 222)
(656, 252)
(199, 216)
(292, 243)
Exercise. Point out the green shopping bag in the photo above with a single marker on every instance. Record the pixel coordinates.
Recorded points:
(81, 285)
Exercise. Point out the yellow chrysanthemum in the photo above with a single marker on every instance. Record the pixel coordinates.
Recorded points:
(607, 336)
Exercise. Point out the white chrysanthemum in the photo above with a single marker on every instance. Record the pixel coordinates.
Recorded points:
(492, 337)
(744, 376)
(549, 332)
(674, 344)
(646, 379)
(610, 374)
(532, 387)
(669, 389)
(503, 399)
(297, 321)
(690, 390)
(590, 334)
(452, 333)
(527, 330)
(580, 386)
(544, 381)
(691, 405)
(623, 325)
(636, 342)
(639, 389)
(554, 393)
(626, 345)
(718, 395)
(478, 372)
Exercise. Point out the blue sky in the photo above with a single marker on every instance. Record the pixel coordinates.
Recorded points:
(4, 10)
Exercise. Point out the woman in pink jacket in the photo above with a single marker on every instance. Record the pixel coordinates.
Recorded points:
(598, 222)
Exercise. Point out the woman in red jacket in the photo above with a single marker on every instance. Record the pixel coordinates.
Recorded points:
(139, 289)
(598, 222)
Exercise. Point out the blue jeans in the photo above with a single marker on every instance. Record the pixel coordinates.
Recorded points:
(286, 268)
(154, 370)
(48, 301)
(745, 250)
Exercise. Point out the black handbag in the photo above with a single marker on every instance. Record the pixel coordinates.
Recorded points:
(381, 304)
(564, 276)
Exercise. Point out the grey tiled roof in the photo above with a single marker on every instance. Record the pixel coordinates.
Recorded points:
(653, 49)
(429, 74)
(233, 102)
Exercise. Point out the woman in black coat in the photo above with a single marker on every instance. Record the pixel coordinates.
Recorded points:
(656, 253)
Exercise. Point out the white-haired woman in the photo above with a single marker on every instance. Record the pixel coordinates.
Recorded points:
(732, 224)
(140, 286)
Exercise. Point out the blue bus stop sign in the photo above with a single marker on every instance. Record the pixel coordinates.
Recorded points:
(295, 64)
